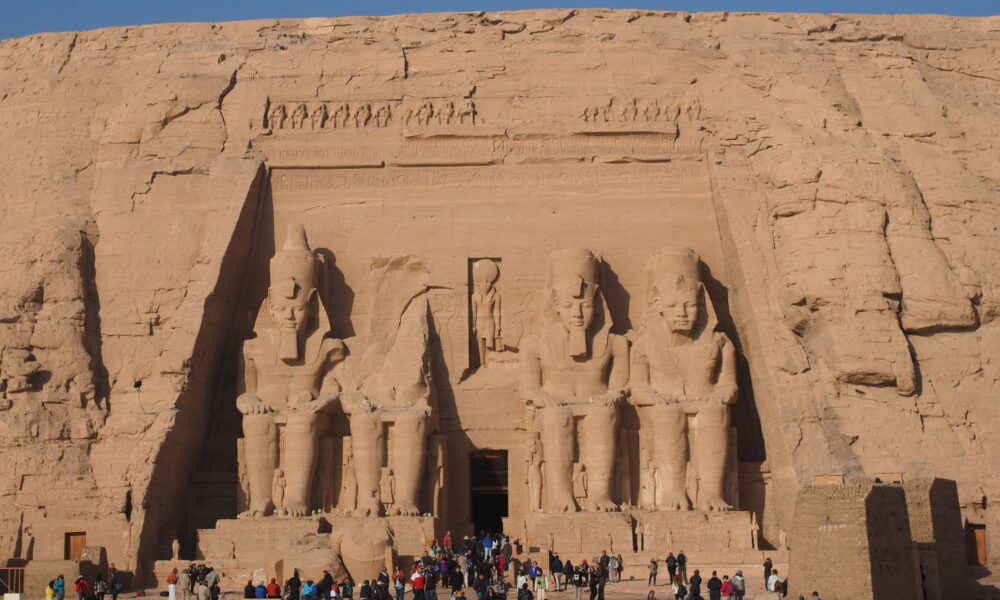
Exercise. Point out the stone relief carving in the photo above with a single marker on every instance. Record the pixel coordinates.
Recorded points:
(573, 365)
(635, 110)
(684, 366)
(366, 114)
(289, 388)
(486, 309)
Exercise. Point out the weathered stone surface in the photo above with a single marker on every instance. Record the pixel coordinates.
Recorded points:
(837, 176)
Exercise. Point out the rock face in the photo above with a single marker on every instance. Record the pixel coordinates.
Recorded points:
(837, 175)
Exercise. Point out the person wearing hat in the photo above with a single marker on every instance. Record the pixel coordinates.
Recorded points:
(739, 585)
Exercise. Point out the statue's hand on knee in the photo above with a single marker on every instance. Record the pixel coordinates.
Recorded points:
(723, 395)
(251, 404)
(644, 394)
(540, 399)
(609, 399)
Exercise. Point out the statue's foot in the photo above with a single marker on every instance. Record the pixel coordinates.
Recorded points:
(407, 509)
(255, 511)
(715, 504)
(676, 502)
(562, 508)
(602, 505)
(294, 509)
(367, 510)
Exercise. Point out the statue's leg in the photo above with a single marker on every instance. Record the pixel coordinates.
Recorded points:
(670, 455)
(601, 435)
(711, 445)
(557, 449)
(481, 344)
(366, 433)
(408, 460)
(261, 454)
(299, 463)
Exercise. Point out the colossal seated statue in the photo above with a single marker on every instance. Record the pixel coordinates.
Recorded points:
(684, 367)
(289, 389)
(574, 368)
(389, 402)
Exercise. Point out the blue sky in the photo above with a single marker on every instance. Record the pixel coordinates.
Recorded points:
(23, 17)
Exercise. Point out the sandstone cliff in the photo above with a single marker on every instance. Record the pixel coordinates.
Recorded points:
(853, 169)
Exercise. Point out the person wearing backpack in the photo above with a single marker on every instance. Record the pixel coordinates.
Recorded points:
(100, 587)
(82, 588)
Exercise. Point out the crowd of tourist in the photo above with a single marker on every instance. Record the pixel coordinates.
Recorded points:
(490, 564)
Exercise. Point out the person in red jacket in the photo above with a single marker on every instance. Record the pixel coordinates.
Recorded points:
(273, 589)
(82, 588)
(418, 582)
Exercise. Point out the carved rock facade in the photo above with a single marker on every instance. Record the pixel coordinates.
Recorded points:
(825, 188)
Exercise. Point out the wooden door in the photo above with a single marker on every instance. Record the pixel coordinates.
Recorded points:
(975, 541)
(75, 543)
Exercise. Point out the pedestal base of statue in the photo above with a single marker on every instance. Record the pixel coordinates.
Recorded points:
(705, 537)
(408, 537)
(576, 534)
(259, 548)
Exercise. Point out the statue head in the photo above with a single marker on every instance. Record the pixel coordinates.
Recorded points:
(676, 293)
(484, 274)
(292, 298)
(575, 295)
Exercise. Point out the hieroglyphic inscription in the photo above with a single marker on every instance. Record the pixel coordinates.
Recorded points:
(466, 150)
(292, 180)
(333, 115)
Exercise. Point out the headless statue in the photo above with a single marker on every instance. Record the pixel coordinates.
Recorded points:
(574, 367)
(287, 369)
(684, 366)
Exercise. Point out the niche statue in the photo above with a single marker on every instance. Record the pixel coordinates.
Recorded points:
(289, 389)
(573, 367)
(684, 366)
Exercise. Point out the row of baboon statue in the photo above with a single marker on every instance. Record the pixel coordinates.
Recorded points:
(574, 377)
(344, 115)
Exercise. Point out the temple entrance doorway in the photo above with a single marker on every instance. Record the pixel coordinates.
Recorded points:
(488, 488)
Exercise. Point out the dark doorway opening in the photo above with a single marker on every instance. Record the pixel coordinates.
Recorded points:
(488, 487)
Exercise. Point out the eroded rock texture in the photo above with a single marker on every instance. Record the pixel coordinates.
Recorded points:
(850, 161)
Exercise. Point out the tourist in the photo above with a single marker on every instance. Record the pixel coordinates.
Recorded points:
(115, 584)
(714, 586)
(50, 592)
(101, 587)
(613, 568)
(399, 582)
(59, 587)
(671, 566)
(767, 568)
(541, 584)
(727, 588)
(347, 589)
(417, 582)
(567, 571)
(676, 582)
(815, 596)
(365, 592)
(212, 581)
(82, 588)
(651, 595)
(294, 585)
(487, 548)
(653, 567)
(772, 580)
(621, 566)
(249, 590)
(523, 593)
(183, 584)
(260, 591)
(446, 542)
(204, 592)
(172, 578)
(739, 586)
(273, 589)
(682, 561)
(694, 582)
(309, 590)
(680, 593)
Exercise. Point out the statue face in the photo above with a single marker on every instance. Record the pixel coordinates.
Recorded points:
(576, 311)
(678, 307)
(290, 306)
